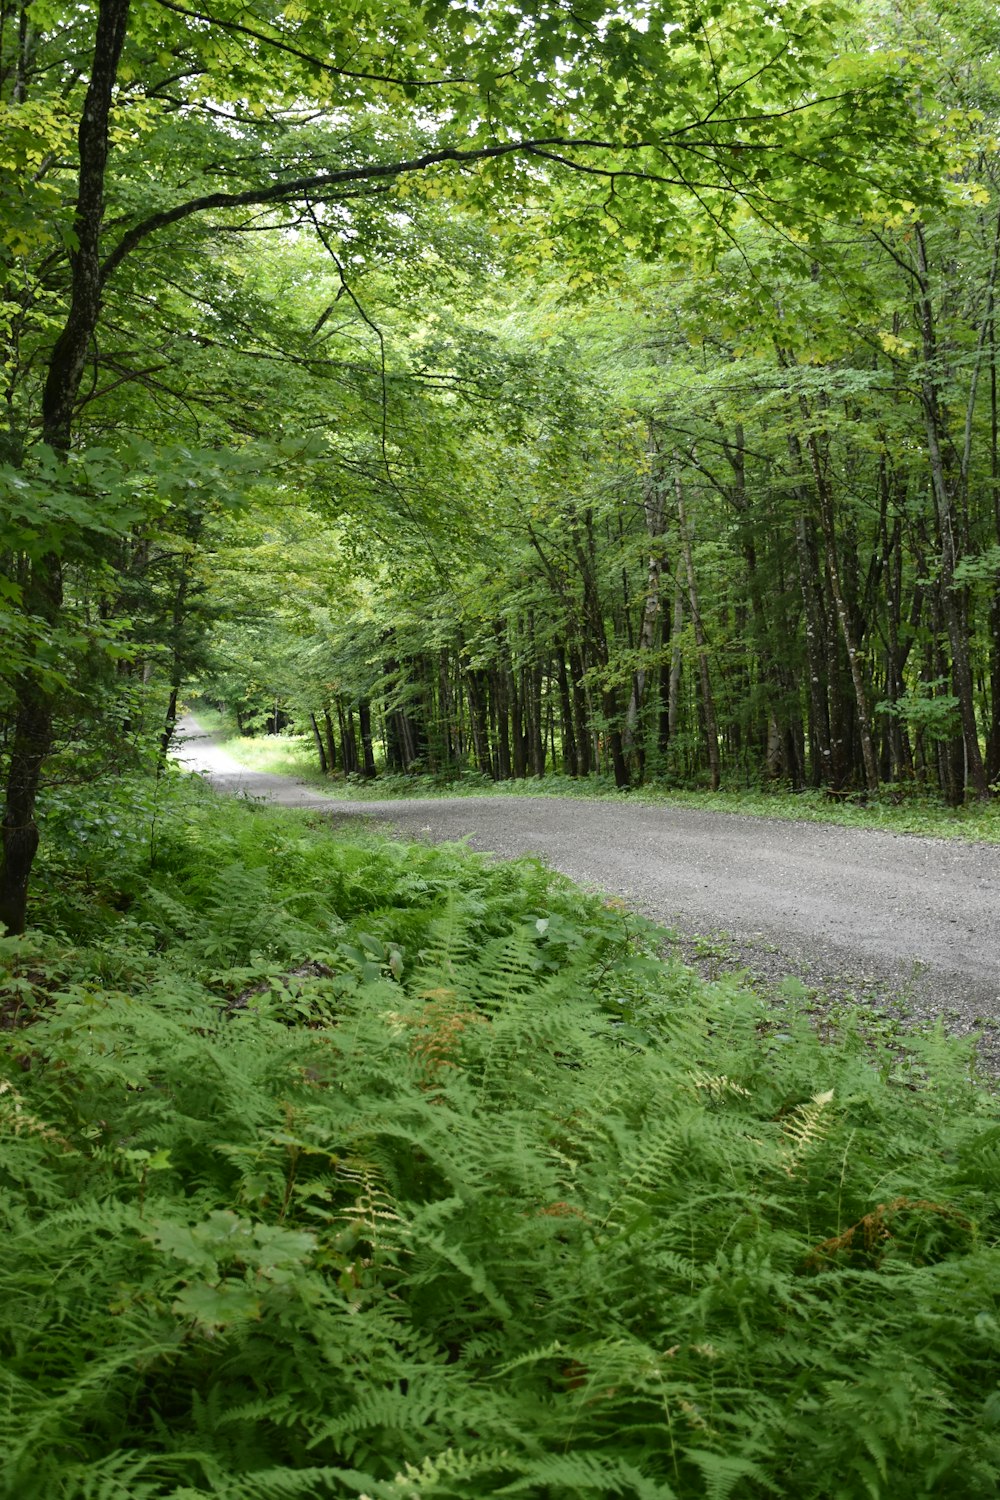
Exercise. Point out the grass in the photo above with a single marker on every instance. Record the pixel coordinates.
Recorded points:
(900, 812)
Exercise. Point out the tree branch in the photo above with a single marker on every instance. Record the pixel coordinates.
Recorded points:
(280, 45)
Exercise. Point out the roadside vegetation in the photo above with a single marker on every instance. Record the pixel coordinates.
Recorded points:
(340, 1167)
(893, 810)
(568, 398)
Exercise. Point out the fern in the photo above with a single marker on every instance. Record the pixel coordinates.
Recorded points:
(568, 1474)
(523, 1211)
(722, 1473)
(804, 1129)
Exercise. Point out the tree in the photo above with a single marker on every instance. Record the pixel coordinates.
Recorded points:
(311, 128)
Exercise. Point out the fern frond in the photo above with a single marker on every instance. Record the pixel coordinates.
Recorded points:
(718, 1086)
(581, 1473)
(723, 1472)
(804, 1129)
(116, 1476)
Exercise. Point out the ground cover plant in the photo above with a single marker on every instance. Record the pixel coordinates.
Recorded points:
(336, 1167)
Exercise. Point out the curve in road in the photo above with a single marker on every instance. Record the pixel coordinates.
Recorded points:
(854, 912)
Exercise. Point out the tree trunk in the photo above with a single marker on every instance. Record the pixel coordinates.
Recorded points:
(477, 681)
(652, 505)
(596, 640)
(535, 718)
(820, 736)
(569, 756)
(446, 711)
(705, 681)
(43, 594)
(365, 727)
(331, 741)
(900, 751)
(177, 662)
(320, 748)
(825, 498)
(515, 700)
(581, 718)
(676, 661)
(953, 597)
(499, 701)
(348, 740)
(993, 732)
(782, 729)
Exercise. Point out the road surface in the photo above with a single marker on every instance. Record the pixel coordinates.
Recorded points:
(856, 913)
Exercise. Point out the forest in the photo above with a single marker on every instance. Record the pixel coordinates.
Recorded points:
(485, 393)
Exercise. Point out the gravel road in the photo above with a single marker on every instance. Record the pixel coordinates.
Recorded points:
(869, 915)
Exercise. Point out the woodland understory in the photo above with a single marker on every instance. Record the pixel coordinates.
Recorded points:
(492, 393)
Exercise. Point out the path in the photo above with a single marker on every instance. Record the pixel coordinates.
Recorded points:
(859, 912)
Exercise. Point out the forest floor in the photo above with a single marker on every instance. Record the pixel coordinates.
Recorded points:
(906, 926)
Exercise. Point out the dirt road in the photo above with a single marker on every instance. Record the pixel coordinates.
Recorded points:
(859, 913)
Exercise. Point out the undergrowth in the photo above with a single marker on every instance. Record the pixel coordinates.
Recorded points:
(333, 1167)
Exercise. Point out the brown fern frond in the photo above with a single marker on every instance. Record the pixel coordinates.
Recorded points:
(871, 1233)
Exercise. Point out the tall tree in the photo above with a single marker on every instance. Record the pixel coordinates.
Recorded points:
(229, 120)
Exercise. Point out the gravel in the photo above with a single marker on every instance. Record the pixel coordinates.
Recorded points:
(873, 917)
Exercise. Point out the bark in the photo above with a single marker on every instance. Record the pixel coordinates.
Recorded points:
(349, 743)
(43, 595)
(663, 718)
(446, 716)
(499, 701)
(820, 737)
(701, 643)
(596, 642)
(783, 729)
(395, 750)
(405, 730)
(674, 683)
(331, 741)
(458, 698)
(570, 763)
(950, 528)
(365, 728)
(993, 732)
(518, 738)
(827, 526)
(826, 740)
(477, 684)
(900, 755)
(178, 617)
(652, 505)
(954, 606)
(169, 725)
(320, 748)
(619, 765)
(70, 353)
(535, 718)
(16, 51)
(581, 718)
